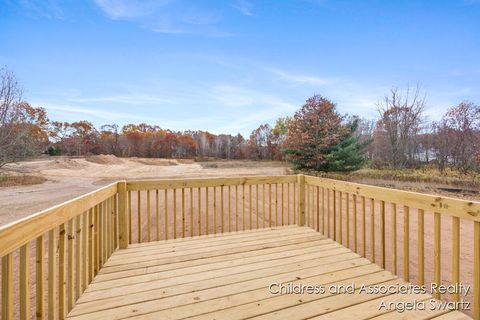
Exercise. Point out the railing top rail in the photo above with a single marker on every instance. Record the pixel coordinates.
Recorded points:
(20, 232)
(464, 209)
(207, 182)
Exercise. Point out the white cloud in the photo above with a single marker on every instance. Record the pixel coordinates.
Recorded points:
(299, 78)
(244, 7)
(46, 9)
(93, 112)
(250, 107)
(136, 99)
(166, 16)
(130, 9)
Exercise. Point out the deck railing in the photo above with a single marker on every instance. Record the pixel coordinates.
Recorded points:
(357, 216)
(73, 240)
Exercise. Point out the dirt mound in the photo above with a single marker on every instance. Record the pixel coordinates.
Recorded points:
(66, 163)
(156, 161)
(185, 161)
(104, 159)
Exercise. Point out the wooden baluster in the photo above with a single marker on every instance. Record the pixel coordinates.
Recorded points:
(199, 195)
(311, 214)
(437, 252)
(165, 207)
(334, 215)
(393, 208)
(100, 235)
(301, 199)
(157, 215)
(206, 210)
(229, 208)
(382, 233)
(174, 213)
(328, 213)
(139, 217)
(421, 247)
(7, 287)
(236, 208)
(214, 209)
(39, 278)
(323, 210)
(283, 203)
(107, 230)
(109, 227)
(456, 256)
(191, 212)
(129, 217)
(24, 279)
(406, 243)
(52, 246)
(85, 250)
(97, 240)
(263, 205)
(78, 257)
(276, 204)
(70, 274)
(347, 216)
(61, 271)
(256, 206)
(318, 209)
(221, 209)
(340, 216)
(104, 233)
(309, 197)
(183, 212)
(364, 227)
(243, 207)
(270, 205)
(115, 222)
(148, 216)
(314, 208)
(250, 204)
(288, 203)
(355, 227)
(91, 252)
(476, 269)
(372, 229)
(295, 210)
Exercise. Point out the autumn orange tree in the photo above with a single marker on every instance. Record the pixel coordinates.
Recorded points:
(320, 139)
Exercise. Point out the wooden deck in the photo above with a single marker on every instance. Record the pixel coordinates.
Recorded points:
(228, 276)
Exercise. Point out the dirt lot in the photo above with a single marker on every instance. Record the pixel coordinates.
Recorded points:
(70, 177)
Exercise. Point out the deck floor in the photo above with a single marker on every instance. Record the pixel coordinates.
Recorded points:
(228, 277)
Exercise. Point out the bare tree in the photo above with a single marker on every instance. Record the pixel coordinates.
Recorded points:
(401, 122)
(457, 137)
(10, 99)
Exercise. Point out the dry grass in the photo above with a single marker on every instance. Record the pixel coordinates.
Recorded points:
(12, 180)
(424, 175)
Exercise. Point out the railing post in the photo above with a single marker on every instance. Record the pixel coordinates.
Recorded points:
(122, 215)
(301, 199)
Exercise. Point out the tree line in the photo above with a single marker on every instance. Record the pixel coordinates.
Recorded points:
(316, 137)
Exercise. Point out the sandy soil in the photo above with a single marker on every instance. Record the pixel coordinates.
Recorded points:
(70, 177)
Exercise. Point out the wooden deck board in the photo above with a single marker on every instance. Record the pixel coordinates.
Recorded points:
(227, 277)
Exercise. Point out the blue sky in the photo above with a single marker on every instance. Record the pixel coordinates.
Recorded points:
(229, 66)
